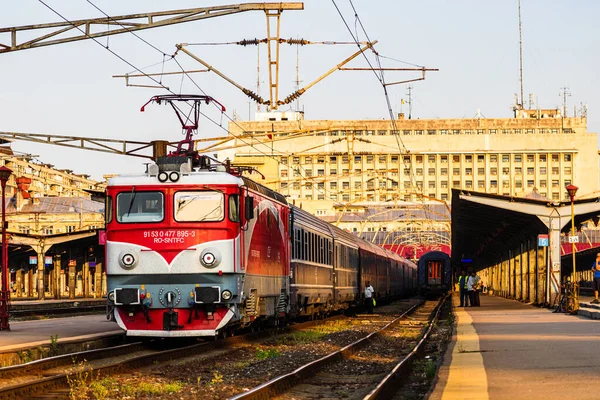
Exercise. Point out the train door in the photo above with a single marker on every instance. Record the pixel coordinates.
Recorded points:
(434, 272)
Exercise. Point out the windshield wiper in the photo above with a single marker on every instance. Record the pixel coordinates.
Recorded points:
(133, 194)
(209, 213)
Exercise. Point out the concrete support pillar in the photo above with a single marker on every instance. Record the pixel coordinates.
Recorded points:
(86, 279)
(98, 280)
(19, 283)
(41, 252)
(71, 281)
(56, 277)
(29, 282)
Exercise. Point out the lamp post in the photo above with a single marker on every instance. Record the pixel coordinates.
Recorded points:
(5, 293)
(572, 189)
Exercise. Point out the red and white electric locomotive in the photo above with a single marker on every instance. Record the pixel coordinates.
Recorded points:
(183, 245)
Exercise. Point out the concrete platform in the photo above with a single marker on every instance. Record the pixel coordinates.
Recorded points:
(509, 350)
(30, 334)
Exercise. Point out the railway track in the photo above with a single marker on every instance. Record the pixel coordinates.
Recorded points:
(369, 368)
(48, 377)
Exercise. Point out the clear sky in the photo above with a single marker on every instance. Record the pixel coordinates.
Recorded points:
(69, 90)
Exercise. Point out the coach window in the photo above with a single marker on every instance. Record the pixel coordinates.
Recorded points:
(305, 252)
(134, 207)
(199, 206)
(234, 214)
(108, 211)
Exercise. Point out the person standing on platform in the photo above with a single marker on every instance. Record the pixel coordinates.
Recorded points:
(471, 282)
(462, 289)
(477, 289)
(596, 269)
(369, 297)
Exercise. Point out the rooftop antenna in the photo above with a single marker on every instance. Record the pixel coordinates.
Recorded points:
(565, 93)
(410, 88)
(520, 55)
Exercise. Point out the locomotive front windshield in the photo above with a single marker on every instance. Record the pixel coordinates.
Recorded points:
(199, 206)
(134, 207)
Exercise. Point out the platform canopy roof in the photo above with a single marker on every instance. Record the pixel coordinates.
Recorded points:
(486, 226)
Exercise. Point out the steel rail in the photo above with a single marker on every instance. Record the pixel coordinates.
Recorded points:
(279, 384)
(389, 384)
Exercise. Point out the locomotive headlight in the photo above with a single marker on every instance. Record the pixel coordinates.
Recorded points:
(111, 296)
(128, 259)
(210, 258)
(174, 176)
(226, 295)
(163, 176)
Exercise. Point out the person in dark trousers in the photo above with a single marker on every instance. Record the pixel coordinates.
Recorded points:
(471, 285)
(596, 269)
(369, 297)
(476, 289)
(462, 289)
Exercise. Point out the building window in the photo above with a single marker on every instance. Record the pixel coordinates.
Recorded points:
(480, 171)
(530, 171)
(320, 197)
(493, 171)
(308, 172)
(567, 170)
(308, 197)
(469, 158)
(444, 196)
(567, 157)
(284, 185)
(481, 131)
(456, 158)
(455, 171)
(481, 184)
(554, 157)
(518, 158)
(70, 228)
(333, 159)
(555, 196)
(493, 131)
(467, 131)
(382, 133)
(419, 159)
(455, 184)
(296, 160)
(543, 183)
(418, 132)
(444, 159)
(333, 171)
(506, 131)
(443, 132)
(456, 131)
(431, 171)
(505, 184)
(530, 183)
(296, 185)
(431, 184)
(284, 173)
(419, 171)
(406, 171)
(406, 132)
(555, 170)
(493, 158)
(542, 157)
(382, 159)
(543, 171)
(320, 172)
(505, 158)
(307, 160)
(493, 184)
(370, 133)
(468, 184)
(444, 171)
(555, 183)
(394, 159)
(345, 185)
(530, 158)
(357, 185)
(431, 132)
(407, 185)
(369, 159)
(480, 158)
(284, 160)
(444, 184)
(468, 171)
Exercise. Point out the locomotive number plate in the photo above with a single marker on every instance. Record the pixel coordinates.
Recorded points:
(170, 236)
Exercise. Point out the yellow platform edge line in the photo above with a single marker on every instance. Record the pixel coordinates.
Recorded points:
(467, 378)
